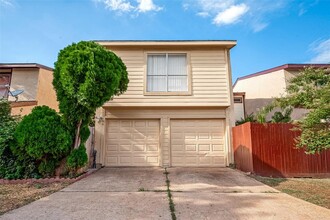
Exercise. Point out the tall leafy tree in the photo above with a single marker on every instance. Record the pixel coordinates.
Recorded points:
(86, 75)
(311, 90)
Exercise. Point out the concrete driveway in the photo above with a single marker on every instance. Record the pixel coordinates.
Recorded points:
(140, 193)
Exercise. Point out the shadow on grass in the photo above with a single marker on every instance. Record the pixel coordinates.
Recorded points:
(270, 181)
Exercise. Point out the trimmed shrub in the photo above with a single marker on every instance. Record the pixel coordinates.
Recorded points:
(43, 139)
(77, 159)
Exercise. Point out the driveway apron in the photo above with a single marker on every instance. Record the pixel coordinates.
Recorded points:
(140, 193)
(110, 193)
(204, 193)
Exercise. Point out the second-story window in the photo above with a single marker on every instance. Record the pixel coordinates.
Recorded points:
(167, 73)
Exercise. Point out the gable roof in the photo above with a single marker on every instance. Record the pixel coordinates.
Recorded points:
(282, 67)
(24, 65)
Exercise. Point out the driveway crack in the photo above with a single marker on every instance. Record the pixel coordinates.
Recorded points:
(169, 195)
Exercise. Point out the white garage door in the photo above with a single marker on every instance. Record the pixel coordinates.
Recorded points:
(132, 143)
(198, 143)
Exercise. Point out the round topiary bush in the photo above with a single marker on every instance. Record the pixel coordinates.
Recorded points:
(42, 137)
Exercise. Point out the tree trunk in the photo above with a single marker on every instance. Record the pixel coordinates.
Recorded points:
(77, 139)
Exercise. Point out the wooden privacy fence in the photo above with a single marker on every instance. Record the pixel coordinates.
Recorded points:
(269, 150)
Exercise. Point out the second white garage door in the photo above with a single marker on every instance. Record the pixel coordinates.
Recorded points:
(132, 143)
(197, 143)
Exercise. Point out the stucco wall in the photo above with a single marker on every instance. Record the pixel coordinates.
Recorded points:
(27, 80)
(260, 90)
(23, 110)
(46, 94)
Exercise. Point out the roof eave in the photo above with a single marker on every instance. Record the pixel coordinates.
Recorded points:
(226, 43)
(24, 65)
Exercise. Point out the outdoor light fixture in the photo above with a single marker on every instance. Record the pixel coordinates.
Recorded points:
(99, 118)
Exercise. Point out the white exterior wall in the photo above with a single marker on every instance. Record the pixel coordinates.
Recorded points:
(265, 86)
(260, 90)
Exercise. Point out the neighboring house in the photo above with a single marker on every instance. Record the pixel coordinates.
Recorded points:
(34, 79)
(177, 108)
(252, 92)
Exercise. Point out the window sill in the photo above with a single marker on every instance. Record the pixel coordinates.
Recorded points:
(188, 93)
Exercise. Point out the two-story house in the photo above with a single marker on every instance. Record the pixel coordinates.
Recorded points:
(177, 108)
(35, 80)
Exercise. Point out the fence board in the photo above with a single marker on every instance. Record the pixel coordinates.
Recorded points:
(269, 150)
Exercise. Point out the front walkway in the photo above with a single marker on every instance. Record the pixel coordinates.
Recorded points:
(140, 193)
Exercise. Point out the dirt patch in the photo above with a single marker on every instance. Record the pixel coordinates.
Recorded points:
(13, 196)
(316, 191)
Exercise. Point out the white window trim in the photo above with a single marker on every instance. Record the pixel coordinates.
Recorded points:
(176, 93)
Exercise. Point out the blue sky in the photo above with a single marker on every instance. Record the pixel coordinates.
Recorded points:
(269, 33)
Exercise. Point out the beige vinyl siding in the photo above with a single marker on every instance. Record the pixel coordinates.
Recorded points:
(164, 116)
(208, 75)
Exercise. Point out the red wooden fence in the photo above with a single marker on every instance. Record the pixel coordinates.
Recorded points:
(269, 150)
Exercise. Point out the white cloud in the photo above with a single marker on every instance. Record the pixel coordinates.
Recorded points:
(6, 3)
(231, 15)
(215, 5)
(203, 14)
(147, 5)
(305, 5)
(258, 25)
(123, 6)
(257, 14)
(321, 50)
(118, 5)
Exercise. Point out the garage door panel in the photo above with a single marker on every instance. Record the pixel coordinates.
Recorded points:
(216, 135)
(219, 160)
(132, 143)
(152, 148)
(197, 142)
(203, 136)
(138, 147)
(112, 160)
(189, 136)
(190, 147)
(204, 147)
(125, 148)
(204, 160)
(112, 148)
(217, 147)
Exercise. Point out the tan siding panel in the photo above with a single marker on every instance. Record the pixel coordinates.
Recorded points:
(208, 81)
(173, 113)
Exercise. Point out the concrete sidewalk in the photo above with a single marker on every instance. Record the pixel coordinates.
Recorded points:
(139, 193)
